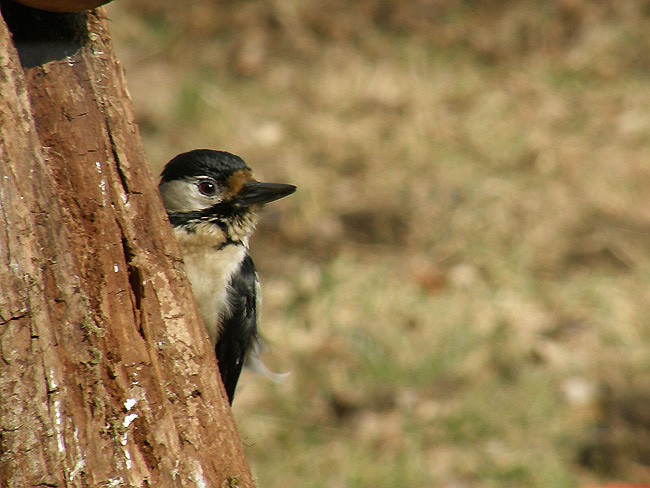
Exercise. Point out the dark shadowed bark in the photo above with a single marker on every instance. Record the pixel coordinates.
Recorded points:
(106, 375)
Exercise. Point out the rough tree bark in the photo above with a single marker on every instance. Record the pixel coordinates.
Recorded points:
(107, 377)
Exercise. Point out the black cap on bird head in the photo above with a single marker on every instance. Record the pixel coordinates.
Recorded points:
(203, 162)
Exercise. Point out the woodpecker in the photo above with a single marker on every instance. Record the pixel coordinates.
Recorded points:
(213, 201)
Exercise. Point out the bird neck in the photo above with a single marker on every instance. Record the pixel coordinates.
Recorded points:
(239, 227)
(195, 232)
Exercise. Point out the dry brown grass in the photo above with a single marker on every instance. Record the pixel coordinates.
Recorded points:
(461, 285)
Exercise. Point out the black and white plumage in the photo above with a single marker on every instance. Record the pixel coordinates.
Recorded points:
(212, 201)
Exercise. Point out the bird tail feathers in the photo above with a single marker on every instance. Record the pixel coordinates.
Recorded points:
(254, 364)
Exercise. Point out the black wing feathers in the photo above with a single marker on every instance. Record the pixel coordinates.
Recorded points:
(239, 331)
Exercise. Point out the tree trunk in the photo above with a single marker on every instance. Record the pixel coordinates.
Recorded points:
(107, 377)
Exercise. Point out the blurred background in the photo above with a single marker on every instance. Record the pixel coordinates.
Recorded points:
(461, 286)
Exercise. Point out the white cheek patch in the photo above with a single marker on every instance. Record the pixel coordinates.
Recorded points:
(184, 196)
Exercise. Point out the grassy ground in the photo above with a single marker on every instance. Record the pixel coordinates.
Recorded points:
(461, 286)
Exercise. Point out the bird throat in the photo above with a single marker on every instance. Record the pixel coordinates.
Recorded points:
(215, 232)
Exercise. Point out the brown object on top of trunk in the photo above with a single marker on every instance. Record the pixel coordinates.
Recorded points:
(63, 5)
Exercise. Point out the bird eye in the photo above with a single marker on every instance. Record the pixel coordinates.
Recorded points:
(207, 188)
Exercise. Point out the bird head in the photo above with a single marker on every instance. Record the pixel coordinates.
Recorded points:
(204, 186)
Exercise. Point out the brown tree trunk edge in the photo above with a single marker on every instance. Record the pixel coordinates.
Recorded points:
(63, 5)
(106, 374)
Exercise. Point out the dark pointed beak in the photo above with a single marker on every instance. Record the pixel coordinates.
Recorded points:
(257, 193)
